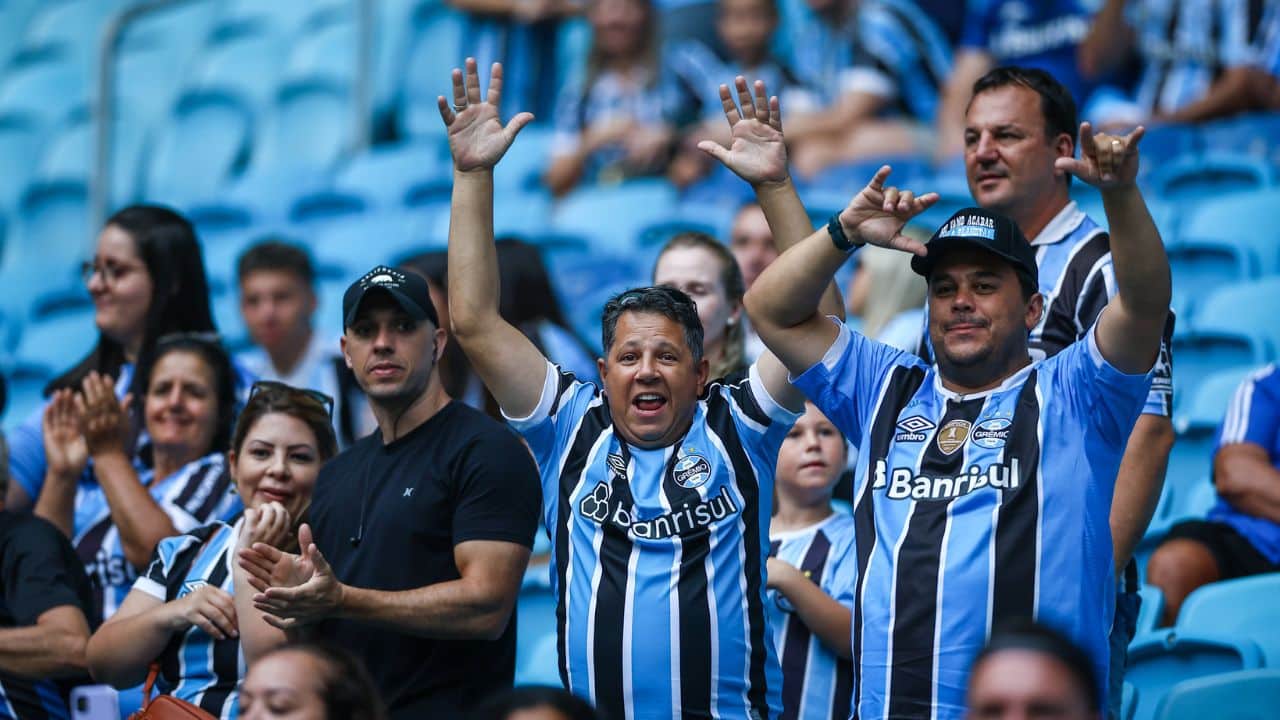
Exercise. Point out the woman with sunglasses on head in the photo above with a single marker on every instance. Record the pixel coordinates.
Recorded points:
(180, 481)
(147, 280)
(192, 611)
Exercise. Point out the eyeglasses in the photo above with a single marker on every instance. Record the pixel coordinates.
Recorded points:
(315, 396)
(111, 271)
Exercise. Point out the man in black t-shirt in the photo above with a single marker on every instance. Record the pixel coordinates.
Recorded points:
(43, 630)
(425, 526)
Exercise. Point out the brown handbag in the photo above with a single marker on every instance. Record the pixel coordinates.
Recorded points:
(166, 707)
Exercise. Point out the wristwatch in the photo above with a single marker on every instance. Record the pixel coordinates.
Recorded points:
(839, 238)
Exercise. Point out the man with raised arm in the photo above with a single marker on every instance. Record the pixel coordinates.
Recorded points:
(983, 482)
(657, 490)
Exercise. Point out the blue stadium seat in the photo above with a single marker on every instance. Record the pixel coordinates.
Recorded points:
(285, 15)
(25, 392)
(395, 31)
(1194, 178)
(324, 205)
(1235, 326)
(1160, 660)
(325, 46)
(612, 216)
(1256, 135)
(1152, 606)
(521, 215)
(308, 130)
(536, 614)
(20, 136)
(1128, 702)
(45, 83)
(68, 155)
(523, 165)
(50, 235)
(1245, 607)
(73, 26)
(436, 48)
(386, 173)
(1227, 232)
(714, 219)
(1242, 695)
(14, 17)
(358, 243)
(244, 58)
(211, 131)
(57, 337)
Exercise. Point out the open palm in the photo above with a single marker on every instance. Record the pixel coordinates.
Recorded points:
(477, 137)
(756, 152)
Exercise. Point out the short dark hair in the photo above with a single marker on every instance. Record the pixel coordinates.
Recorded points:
(1057, 106)
(502, 705)
(346, 688)
(659, 300)
(276, 253)
(294, 403)
(1027, 634)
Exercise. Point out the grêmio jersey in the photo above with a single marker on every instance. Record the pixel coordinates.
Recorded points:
(817, 684)
(658, 555)
(973, 509)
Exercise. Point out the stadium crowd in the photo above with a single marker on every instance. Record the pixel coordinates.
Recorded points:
(917, 490)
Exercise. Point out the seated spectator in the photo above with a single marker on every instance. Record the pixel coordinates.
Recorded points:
(537, 702)
(313, 680)
(44, 598)
(147, 281)
(1199, 60)
(1042, 35)
(116, 518)
(880, 66)
(700, 267)
(745, 29)
(812, 571)
(194, 602)
(520, 34)
(1241, 535)
(1029, 670)
(619, 121)
(278, 300)
(751, 241)
(888, 296)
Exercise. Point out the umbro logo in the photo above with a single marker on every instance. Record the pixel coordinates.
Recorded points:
(913, 429)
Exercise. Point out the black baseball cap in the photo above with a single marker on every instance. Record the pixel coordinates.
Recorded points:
(408, 289)
(975, 227)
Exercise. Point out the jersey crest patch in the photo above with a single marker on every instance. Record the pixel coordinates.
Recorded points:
(952, 436)
(691, 471)
(992, 433)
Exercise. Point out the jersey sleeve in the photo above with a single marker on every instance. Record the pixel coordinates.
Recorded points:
(562, 403)
(171, 561)
(1253, 415)
(27, 463)
(761, 422)
(1099, 395)
(843, 384)
(498, 496)
(200, 493)
(36, 575)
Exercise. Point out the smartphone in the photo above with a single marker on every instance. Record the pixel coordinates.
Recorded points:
(94, 702)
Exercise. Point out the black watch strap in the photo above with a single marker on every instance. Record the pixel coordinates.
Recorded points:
(838, 237)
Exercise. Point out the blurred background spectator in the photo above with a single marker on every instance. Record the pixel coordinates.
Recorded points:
(1030, 670)
(888, 296)
(313, 680)
(704, 269)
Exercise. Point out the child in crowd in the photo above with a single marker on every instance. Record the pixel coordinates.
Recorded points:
(812, 571)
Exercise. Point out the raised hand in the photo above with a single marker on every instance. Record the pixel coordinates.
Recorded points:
(756, 153)
(313, 600)
(267, 566)
(1106, 161)
(64, 445)
(877, 214)
(209, 608)
(477, 138)
(104, 419)
(269, 524)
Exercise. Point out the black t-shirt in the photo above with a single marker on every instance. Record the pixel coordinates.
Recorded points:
(39, 571)
(459, 476)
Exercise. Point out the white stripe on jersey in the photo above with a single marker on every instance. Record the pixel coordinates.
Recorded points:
(1236, 426)
(1040, 493)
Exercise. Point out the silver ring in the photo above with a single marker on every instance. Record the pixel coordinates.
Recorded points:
(459, 108)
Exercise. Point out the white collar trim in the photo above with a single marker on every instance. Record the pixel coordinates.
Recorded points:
(1067, 220)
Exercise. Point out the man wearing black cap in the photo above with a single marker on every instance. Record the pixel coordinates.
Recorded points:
(983, 483)
(425, 526)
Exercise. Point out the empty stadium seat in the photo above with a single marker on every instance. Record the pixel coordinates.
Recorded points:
(358, 243)
(25, 392)
(206, 141)
(244, 58)
(324, 205)
(1245, 607)
(44, 83)
(1226, 233)
(1235, 326)
(386, 173)
(325, 46)
(1160, 660)
(525, 162)
(1152, 606)
(1242, 695)
(50, 235)
(20, 136)
(1128, 702)
(1198, 177)
(1256, 135)
(57, 338)
(308, 129)
(68, 154)
(72, 26)
(435, 48)
(536, 633)
(285, 15)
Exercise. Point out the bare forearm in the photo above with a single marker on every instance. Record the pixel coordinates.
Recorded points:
(1231, 93)
(256, 636)
(451, 609)
(1141, 267)
(1251, 487)
(57, 502)
(564, 172)
(1108, 40)
(792, 289)
(139, 520)
(1139, 483)
(473, 303)
(822, 614)
(39, 652)
(120, 652)
(790, 224)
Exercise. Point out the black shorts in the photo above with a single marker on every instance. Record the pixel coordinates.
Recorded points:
(1236, 556)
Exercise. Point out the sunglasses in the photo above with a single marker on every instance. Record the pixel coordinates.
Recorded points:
(204, 338)
(315, 396)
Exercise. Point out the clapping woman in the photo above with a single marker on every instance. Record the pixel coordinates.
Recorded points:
(192, 613)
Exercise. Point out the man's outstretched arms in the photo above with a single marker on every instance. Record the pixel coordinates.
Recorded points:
(508, 363)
